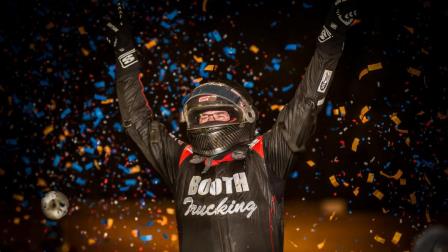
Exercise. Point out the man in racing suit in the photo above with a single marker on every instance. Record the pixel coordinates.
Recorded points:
(228, 184)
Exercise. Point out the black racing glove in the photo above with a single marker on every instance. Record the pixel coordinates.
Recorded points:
(339, 19)
(119, 36)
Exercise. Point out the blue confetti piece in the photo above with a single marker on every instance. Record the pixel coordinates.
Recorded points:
(214, 35)
(174, 126)
(287, 88)
(81, 181)
(51, 223)
(292, 47)
(40, 114)
(118, 127)
(138, 40)
(165, 25)
(248, 84)
(130, 182)
(65, 113)
(100, 84)
(92, 45)
(28, 170)
(329, 109)
(82, 128)
(25, 160)
(229, 76)
(89, 150)
(150, 223)
(294, 174)
(43, 83)
(162, 74)
(93, 142)
(99, 113)
(155, 181)
(111, 71)
(150, 194)
(77, 167)
(100, 97)
(229, 52)
(123, 168)
(171, 15)
(165, 111)
(56, 160)
(173, 67)
(307, 5)
(89, 166)
(132, 157)
(124, 188)
(146, 238)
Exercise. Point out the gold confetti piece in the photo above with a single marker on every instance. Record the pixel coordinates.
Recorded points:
(293, 244)
(333, 181)
(407, 141)
(342, 110)
(356, 191)
(16, 220)
(197, 59)
(379, 239)
(174, 237)
(378, 194)
(363, 113)
(26, 217)
(277, 107)
(82, 30)
(48, 129)
(363, 73)
(85, 52)
(402, 181)
(163, 221)
(395, 119)
(99, 148)
(49, 26)
(426, 179)
(346, 184)
(41, 182)
(17, 197)
(135, 169)
(374, 67)
(108, 101)
(335, 111)
(370, 177)
(65, 247)
(409, 29)
(170, 210)
(107, 150)
(97, 165)
(91, 241)
(110, 222)
(134, 233)
(332, 215)
(310, 163)
(210, 68)
(396, 238)
(355, 144)
(414, 72)
(321, 245)
(424, 51)
(151, 44)
(254, 49)
(412, 198)
(396, 176)
(204, 5)
(197, 80)
(385, 211)
(428, 217)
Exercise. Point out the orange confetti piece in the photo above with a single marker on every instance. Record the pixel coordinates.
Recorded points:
(363, 73)
(91, 241)
(204, 5)
(17, 197)
(355, 144)
(82, 30)
(342, 110)
(151, 44)
(110, 222)
(85, 52)
(135, 169)
(396, 238)
(99, 148)
(254, 49)
(402, 181)
(310, 163)
(332, 215)
(48, 130)
(395, 119)
(378, 194)
(409, 29)
(370, 177)
(374, 67)
(428, 217)
(197, 59)
(163, 221)
(356, 191)
(363, 113)
(174, 237)
(170, 210)
(333, 181)
(108, 101)
(135, 233)
(277, 107)
(16, 220)
(321, 245)
(107, 150)
(414, 71)
(396, 176)
(379, 239)
(210, 68)
(41, 182)
(412, 198)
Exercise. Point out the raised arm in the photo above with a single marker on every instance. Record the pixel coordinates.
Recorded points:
(296, 122)
(160, 148)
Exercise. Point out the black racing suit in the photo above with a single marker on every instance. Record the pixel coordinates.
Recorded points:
(236, 204)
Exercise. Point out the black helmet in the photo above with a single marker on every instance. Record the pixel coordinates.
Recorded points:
(215, 137)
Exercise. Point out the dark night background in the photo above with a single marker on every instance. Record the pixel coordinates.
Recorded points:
(60, 121)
